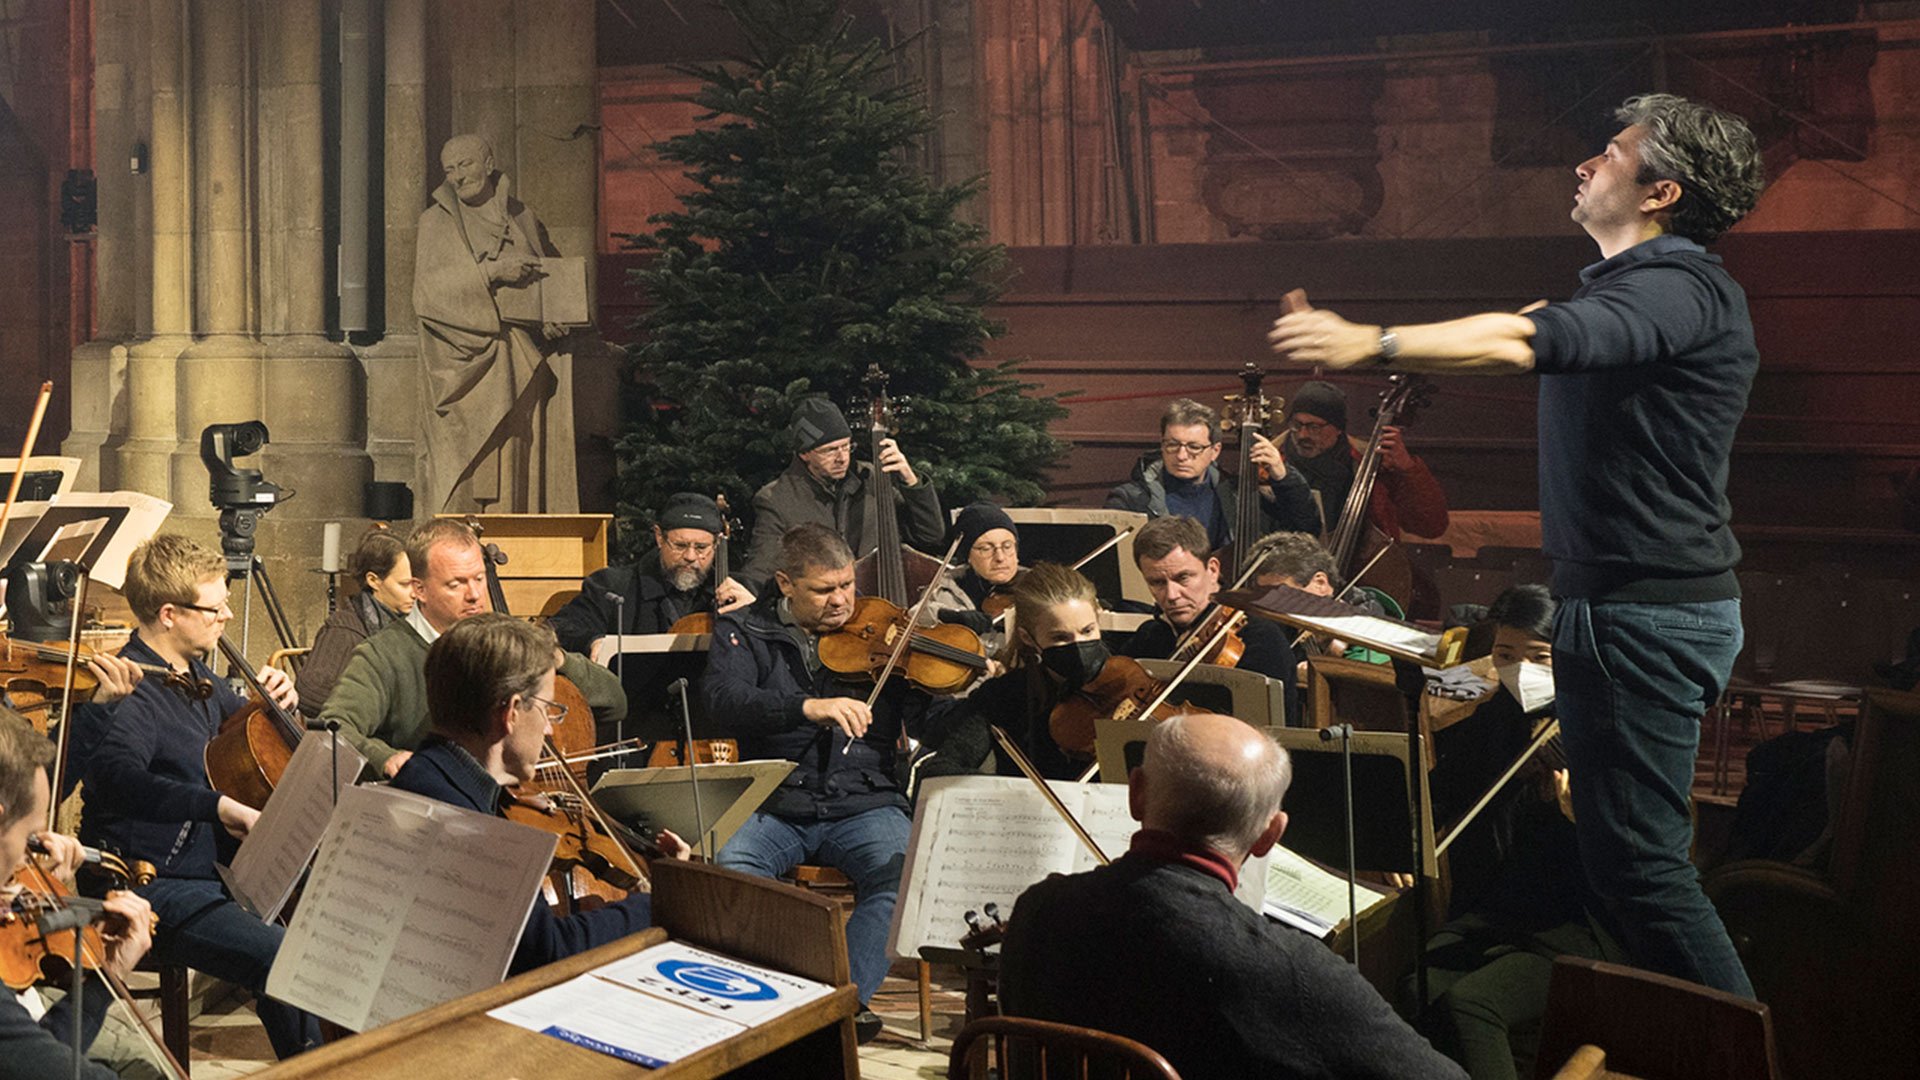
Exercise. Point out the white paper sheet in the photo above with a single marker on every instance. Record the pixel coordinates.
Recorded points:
(713, 984)
(617, 1021)
(283, 841)
(412, 902)
(1301, 894)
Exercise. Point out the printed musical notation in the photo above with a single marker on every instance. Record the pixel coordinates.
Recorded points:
(412, 902)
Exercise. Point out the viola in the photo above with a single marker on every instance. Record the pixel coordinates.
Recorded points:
(1214, 640)
(585, 841)
(1123, 690)
(701, 622)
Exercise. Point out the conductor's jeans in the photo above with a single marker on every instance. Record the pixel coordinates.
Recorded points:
(869, 848)
(1632, 681)
(201, 927)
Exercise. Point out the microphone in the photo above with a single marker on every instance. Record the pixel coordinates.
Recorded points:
(78, 911)
(323, 725)
(678, 687)
(619, 654)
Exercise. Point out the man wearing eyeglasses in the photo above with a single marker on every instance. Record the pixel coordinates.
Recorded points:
(146, 789)
(1184, 478)
(990, 544)
(673, 580)
(1407, 498)
(380, 701)
(490, 694)
(823, 486)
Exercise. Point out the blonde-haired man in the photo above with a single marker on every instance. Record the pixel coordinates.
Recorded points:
(147, 790)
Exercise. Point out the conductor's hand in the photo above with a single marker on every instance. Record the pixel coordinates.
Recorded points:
(116, 677)
(1306, 335)
(280, 688)
(129, 934)
(848, 714)
(512, 269)
(1266, 455)
(237, 817)
(895, 462)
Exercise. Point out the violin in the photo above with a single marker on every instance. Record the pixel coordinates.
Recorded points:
(701, 622)
(31, 672)
(28, 956)
(671, 752)
(1214, 639)
(585, 842)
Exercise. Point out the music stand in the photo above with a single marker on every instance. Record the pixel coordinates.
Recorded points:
(654, 662)
(648, 800)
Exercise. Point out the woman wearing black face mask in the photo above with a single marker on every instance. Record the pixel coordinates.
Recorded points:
(1057, 649)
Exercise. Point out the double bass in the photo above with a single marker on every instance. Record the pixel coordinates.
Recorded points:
(940, 659)
(1248, 413)
(1354, 540)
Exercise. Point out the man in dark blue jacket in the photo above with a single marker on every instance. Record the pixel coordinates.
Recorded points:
(1645, 374)
(147, 794)
(490, 695)
(841, 807)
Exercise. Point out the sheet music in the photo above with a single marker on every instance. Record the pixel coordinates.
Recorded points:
(412, 902)
(283, 841)
(1367, 629)
(1102, 810)
(1301, 894)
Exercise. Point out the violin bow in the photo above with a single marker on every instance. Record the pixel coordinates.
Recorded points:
(586, 802)
(906, 639)
(1546, 734)
(1019, 759)
(66, 698)
(1193, 662)
(26, 451)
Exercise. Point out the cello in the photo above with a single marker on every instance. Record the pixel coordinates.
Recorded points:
(247, 756)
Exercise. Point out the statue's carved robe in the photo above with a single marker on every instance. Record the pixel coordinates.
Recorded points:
(499, 426)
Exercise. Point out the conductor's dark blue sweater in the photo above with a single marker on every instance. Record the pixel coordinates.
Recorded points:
(1644, 377)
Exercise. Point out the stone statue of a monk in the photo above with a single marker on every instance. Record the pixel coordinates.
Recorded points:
(499, 426)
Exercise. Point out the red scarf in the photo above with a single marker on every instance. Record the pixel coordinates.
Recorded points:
(1163, 846)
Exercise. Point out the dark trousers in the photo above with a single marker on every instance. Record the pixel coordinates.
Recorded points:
(1631, 684)
(201, 927)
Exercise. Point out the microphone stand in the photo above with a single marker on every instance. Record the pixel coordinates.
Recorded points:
(679, 687)
(620, 663)
(1344, 732)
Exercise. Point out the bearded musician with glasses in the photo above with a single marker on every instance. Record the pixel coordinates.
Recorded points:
(673, 580)
(1183, 477)
(146, 790)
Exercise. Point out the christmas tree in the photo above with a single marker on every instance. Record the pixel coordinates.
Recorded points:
(810, 250)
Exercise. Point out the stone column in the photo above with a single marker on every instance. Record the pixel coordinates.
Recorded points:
(122, 264)
(145, 455)
(392, 366)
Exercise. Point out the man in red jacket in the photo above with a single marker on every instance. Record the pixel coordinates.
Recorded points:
(1406, 497)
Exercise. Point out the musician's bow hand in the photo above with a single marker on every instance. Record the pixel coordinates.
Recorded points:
(1267, 456)
(1315, 336)
(1394, 456)
(730, 594)
(116, 677)
(848, 714)
(895, 462)
(237, 817)
(279, 687)
(672, 846)
(61, 854)
(129, 934)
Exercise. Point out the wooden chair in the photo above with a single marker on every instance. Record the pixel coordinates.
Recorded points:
(288, 660)
(834, 883)
(1650, 1026)
(1014, 1048)
(1836, 952)
(175, 1009)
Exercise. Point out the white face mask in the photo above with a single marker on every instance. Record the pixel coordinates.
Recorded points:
(1530, 684)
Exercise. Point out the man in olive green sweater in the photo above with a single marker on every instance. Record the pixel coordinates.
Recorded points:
(380, 701)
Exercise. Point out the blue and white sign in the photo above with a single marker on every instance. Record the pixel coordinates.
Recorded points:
(719, 986)
(716, 979)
